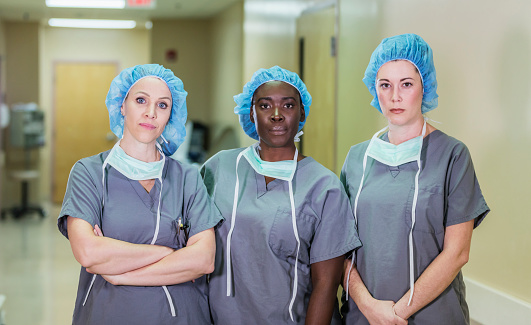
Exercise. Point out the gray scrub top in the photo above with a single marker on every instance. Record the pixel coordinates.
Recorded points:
(130, 214)
(263, 244)
(449, 194)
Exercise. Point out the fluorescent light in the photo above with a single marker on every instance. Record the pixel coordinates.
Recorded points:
(107, 4)
(92, 23)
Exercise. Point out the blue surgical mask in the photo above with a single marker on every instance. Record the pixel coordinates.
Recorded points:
(133, 168)
(283, 170)
(395, 155)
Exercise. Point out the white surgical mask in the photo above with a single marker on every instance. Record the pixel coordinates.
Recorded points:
(395, 155)
(284, 170)
(133, 168)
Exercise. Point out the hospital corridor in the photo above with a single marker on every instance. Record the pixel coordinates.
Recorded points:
(57, 106)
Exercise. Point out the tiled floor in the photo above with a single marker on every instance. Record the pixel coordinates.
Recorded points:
(38, 273)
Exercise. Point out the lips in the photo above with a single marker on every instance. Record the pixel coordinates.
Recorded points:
(277, 130)
(148, 126)
(397, 110)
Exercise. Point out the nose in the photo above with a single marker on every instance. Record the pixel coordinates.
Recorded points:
(396, 95)
(151, 111)
(276, 117)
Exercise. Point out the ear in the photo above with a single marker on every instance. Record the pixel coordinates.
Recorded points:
(251, 114)
(303, 114)
(122, 110)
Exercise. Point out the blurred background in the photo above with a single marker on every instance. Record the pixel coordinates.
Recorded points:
(53, 83)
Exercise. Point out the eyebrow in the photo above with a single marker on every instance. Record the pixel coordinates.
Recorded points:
(269, 98)
(406, 78)
(142, 92)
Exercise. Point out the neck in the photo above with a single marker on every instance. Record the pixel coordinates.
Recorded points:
(398, 134)
(277, 154)
(146, 152)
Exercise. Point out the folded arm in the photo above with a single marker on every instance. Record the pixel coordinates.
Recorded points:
(183, 265)
(441, 272)
(103, 255)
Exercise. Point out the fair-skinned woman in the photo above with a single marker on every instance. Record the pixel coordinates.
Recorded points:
(280, 255)
(140, 223)
(415, 197)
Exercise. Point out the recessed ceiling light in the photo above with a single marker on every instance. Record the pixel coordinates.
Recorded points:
(92, 23)
(106, 4)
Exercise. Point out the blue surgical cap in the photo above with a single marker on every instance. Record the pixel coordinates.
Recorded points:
(174, 132)
(260, 77)
(408, 47)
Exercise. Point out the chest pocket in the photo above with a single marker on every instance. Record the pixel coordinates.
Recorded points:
(430, 210)
(282, 239)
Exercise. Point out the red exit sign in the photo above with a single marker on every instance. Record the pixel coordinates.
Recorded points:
(140, 3)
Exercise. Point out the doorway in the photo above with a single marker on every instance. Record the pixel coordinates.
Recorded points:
(81, 120)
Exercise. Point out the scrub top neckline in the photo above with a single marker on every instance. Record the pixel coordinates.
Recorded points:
(261, 186)
(150, 198)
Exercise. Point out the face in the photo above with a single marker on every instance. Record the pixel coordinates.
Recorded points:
(400, 91)
(146, 110)
(278, 113)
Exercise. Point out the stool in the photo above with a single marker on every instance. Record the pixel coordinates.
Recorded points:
(24, 176)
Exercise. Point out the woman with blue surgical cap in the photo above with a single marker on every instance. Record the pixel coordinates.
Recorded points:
(416, 199)
(288, 225)
(140, 223)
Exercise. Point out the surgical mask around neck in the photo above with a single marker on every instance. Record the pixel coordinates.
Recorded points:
(133, 168)
(395, 156)
(283, 170)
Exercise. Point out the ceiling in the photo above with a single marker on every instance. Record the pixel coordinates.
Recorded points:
(36, 10)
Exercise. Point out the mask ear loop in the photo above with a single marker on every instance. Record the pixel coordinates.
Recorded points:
(105, 163)
(296, 233)
(413, 219)
(232, 222)
(357, 198)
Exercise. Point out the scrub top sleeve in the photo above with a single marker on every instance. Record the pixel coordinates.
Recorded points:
(336, 234)
(465, 201)
(82, 198)
(200, 210)
(343, 175)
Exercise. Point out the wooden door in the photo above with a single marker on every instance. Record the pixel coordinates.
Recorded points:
(316, 32)
(81, 119)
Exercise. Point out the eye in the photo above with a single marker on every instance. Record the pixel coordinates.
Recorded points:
(289, 105)
(384, 85)
(162, 105)
(407, 84)
(140, 100)
(264, 105)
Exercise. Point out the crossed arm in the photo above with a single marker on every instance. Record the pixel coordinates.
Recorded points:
(123, 263)
(433, 281)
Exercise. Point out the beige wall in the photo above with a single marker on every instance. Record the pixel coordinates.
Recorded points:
(481, 52)
(191, 39)
(227, 54)
(21, 86)
(124, 47)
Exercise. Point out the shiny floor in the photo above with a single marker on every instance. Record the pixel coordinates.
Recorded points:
(38, 273)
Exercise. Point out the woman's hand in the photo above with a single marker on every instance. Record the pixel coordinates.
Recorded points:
(381, 312)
